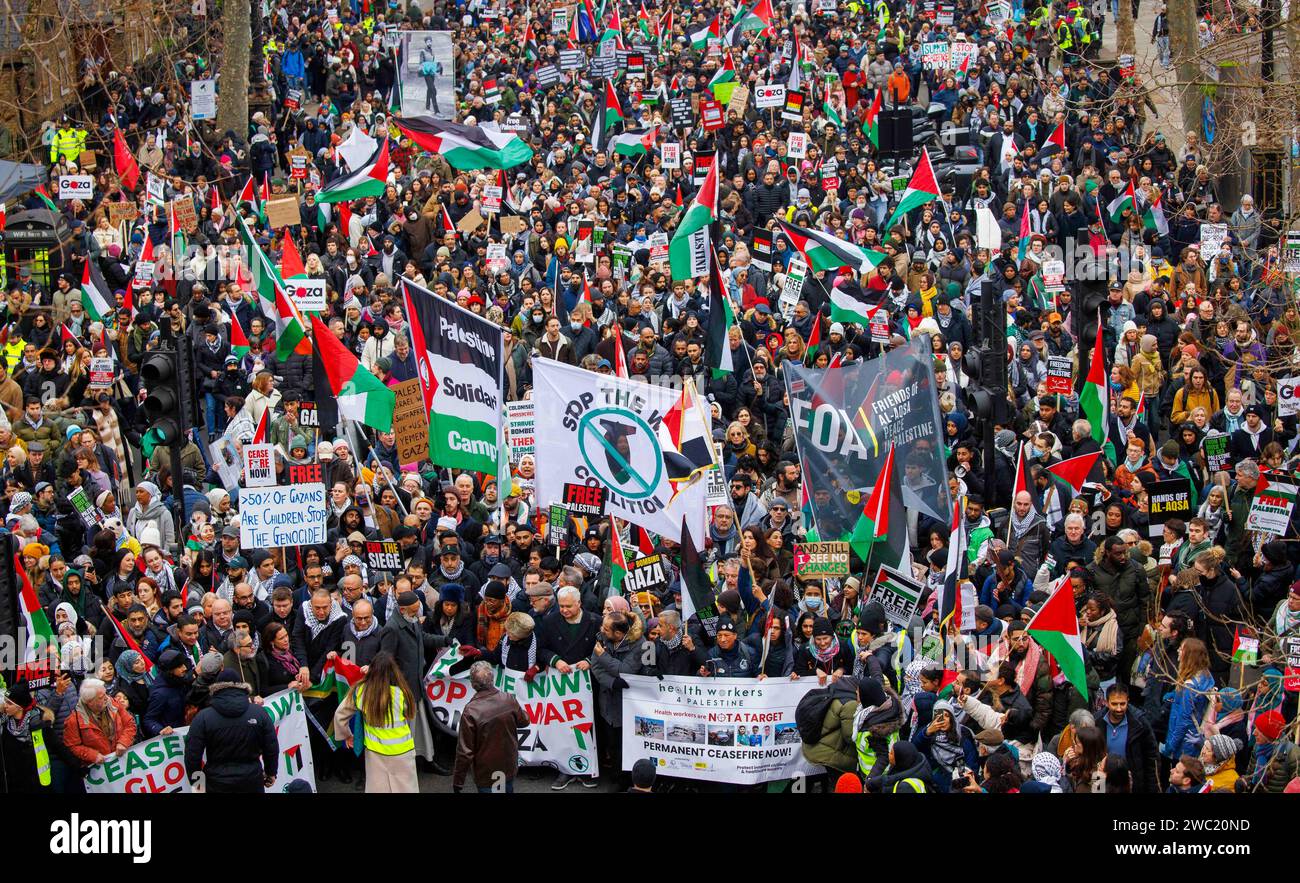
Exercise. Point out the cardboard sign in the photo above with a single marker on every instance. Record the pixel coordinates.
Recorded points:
(521, 429)
(224, 457)
(259, 465)
(286, 515)
(1288, 396)
(187, 219)
(797, 145)
(298, 159)
(1060, 375)
(511, 224)
(767, 97)
(585, 499)
(384, 556)
(1215, 448)
(898, 594)
(1213, 236)
(491, 200)
(85, 509)
(817, 560)
(307, 294)
(647, 575)
(282, 211)
(121, 212)
(410, 423)
(1171, 498)
(87, 161)
(1270, 511)
(102, 372)
(203, 99)
(76, 187)
(471, 222)
(739, 100)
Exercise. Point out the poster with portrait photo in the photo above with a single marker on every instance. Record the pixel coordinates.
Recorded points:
(428, 74)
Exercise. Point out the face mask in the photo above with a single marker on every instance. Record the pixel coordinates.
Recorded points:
(812, 603)
(352, 261)
(576, 326)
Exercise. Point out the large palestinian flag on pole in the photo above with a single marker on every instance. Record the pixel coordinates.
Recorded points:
(688, 252)
(1126, 200)
(361, 396)
(1094, 398)
(465, 147)
(717, 350)
(757, 17)
(96, 296)
(458, 355)
(826, 252)
(39, 634)
(368, 180)
(1056, 629)
(921, 189)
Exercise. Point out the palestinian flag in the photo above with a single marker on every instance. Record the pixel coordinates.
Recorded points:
(724, 81)
(249, 196)
(1153, 215)
(635, 143)
(368, 180)
(1056, 629)
(1245, 648)
(757, 17)
(700, 39)
(1022, 482)
(1025, 235)
(613, 109)
(831, 113)
(44, 196)
(823, 251)
(128, 172)
(847, 308)
(96, 296)
(1094, 398)
(613, 29)
(290, 329)
(3, 217)
(883, 518)
(35, 623)
(806, 511)
(923, 188)
(290, 261)
(360, 394)
(264, 277)
(465, 147)
(531, 52)
(239, 345)
(954, 571)
(688, 252)
(491, 91)
(1074, 472)
(65, 335)
(128, 639)
(1054, 144)
(263, 427)
(717, 351)
(697, 587)
(338, 676)
(620, 359)
(645, 23)
(871, 121)
(814, 337)
(665, 26)
(1125, 201)
(618, 568)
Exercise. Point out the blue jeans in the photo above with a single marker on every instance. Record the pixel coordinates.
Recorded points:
(509, 789)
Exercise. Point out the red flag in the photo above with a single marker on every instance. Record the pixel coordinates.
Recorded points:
(290, 260)
(66, 334)
(643, 542)
(128, 172)
(1022, 483)
(259, 437)
(620, 358)
(1075, 470)
(130, 642)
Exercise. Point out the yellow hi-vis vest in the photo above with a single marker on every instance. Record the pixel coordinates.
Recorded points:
(42, 757)
(393, 738)
(917, 785)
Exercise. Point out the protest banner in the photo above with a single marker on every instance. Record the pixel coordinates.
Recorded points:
(1171, 498)
(898, 594)
(121, 212)
(736, 730)
(102, 372)
(1288, 396)
(739, 100)
(521, 429)
(585, 499)
(1291, 679)
(491, 200)
(561, 729)
(259, 465)
(817, 560)
(793, 110)
(1060, 375)
(935, 56)
(682, 114)
(963, 52)
(287, 515)
(1215, 448)
(1270, 511)
(187, 218)
(1291, 252)
(308, 415)
(670, 155)
(304, 473)
(384, 556)
(225, 459)
(797, 145)
(1213, 237)
(711, 115)
(557, 526)
(647, 575)
(157, 765)
(85, 509)
(410, 422)
(795, 273)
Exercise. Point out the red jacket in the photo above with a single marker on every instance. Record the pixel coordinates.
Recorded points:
(88, 742)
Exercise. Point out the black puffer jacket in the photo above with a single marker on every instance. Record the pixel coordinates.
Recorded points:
(295, 374)
(238, 739)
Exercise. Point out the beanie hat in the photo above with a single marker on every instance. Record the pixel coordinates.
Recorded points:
(1270, 724)
(1223, 746)
(870, 692)
(822, 626)
(495, 589)
(872, 618)
(454, 592)
(210, 663)
(847, 783)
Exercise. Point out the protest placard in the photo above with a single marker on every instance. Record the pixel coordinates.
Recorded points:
(384, 556)
(1171, 498)
(818, 560)
(259, 465)
(521, 427)
(410, 422)
(285, 515)
(898, 594)
(1060, 375)
(585, 499)
(1270, 510)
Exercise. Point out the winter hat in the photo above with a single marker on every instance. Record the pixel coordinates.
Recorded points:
(1274, 552)
(872, 618)
(847, 783)
(519, 626)
(495, 589)
(823, 627)
(454, 592)
(730, 599)
(150, 535)
(103, 495)
(870, 693)
(1270, 724)
(619, 604)
(210, 663)
(1223, 746)
(837, 328)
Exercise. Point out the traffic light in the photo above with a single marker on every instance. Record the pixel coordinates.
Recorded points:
(169, 404)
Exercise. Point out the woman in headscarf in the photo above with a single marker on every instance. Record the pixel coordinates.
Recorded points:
(946, 745)
(1218, 516)
(908, 772)
(131, 679)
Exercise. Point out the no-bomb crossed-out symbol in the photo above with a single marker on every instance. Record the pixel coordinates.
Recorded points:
(621, 450)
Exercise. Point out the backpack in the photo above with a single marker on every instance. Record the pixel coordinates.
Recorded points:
(811, 712)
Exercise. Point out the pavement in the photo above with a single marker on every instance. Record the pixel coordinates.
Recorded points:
(531, 780)
(1160, 81)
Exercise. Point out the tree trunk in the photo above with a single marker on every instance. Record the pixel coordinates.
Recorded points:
(1125, 43)
(232, 97)
(1184, 47)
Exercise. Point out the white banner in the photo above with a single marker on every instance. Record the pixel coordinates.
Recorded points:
(287, 515)
(76, 186)
(738, 730)
(308, 295)
(766, 97)
(521, 429)
(561, 731)
(1288, 396)
(157, 765)
(602, 430)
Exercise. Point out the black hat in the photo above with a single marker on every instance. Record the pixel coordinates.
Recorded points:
(170, 659)
(643, 773)
(20, 694)
(494, 539)
(1006, 556)
(1274, 552)
(406, 599)
(495, 589)
(822, 626)
(725, 624)
(1257, 410)
(872, 618)
(229, 676)
(870, 692)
